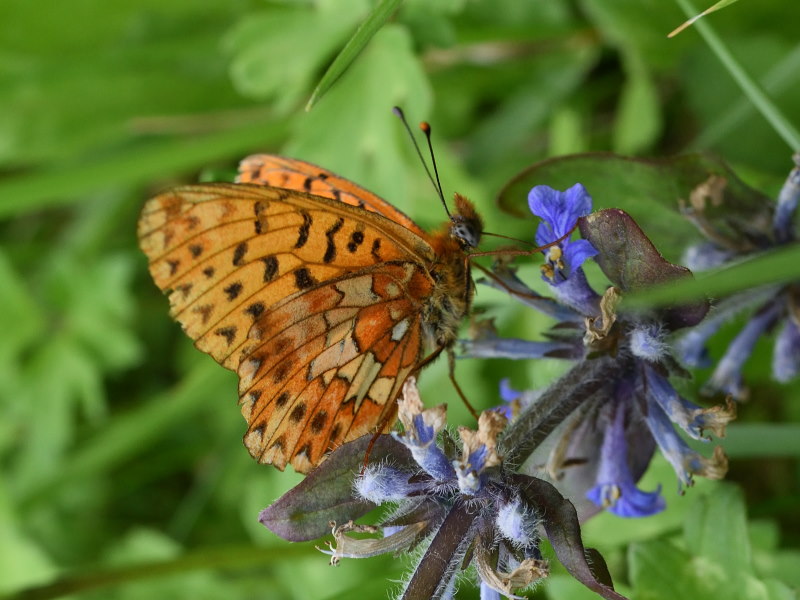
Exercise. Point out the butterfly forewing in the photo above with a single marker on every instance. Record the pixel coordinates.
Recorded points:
(293, 174)
(315, 303)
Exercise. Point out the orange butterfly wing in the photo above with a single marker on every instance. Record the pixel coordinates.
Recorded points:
(293, 174)
(316, 304)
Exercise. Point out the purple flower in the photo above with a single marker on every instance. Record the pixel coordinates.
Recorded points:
(421, 426)
(507, 393)
(772, 305)
(616, 489)
(685, 461)
(513, 400)
(505, 522)
(786, 358)
(640, 352)
(560, 212)
(479, 452)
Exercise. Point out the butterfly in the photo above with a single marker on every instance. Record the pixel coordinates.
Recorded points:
(322, 297)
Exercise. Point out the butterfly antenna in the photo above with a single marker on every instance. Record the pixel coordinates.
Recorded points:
(437, 186)
(426, 129)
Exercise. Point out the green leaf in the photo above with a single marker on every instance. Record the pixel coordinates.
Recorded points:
(716, 529)
(636, 29)
(23, 560)
(563, 587)
(135, 67)
(201, 561)
(20, 320)
(659, 570)
(128, 433)
(550, 81)
(715, 563)
(365, 32)
(751, 440)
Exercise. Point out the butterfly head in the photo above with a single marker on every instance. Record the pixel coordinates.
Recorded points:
(466, 225)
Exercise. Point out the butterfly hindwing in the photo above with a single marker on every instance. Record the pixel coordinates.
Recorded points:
(326, 365)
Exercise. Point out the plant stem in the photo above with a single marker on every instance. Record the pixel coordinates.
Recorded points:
(581, 383)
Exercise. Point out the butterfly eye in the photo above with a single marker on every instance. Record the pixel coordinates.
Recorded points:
(465, 234)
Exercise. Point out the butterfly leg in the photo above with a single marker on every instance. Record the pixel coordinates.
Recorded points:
(383, 427)
(451, 368)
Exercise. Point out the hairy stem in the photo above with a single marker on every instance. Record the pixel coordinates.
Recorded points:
(581, 383)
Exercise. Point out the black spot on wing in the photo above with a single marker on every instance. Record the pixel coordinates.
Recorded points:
(302, 233)
(255, 310)
(277, 445)
(229, 333)
(260, 206)
(330, 251)
(270, 268)
(238, 254)
(318, 422)
(298, 412)
(281, 372)
(184, 289)
(281, 400)
(204, 311)
(356, 239)
(303, 279)
(233, 290)
(305, 450)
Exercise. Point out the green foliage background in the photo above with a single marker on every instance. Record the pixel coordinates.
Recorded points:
(119, 443)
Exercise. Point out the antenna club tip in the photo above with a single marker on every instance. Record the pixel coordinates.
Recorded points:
(398, 111)
(425, 127)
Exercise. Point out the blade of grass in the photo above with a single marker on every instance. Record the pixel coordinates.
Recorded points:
(708, 11)
(774, 267)
(780, 77)
(750, 88)
(135, 165)
(371, 25)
